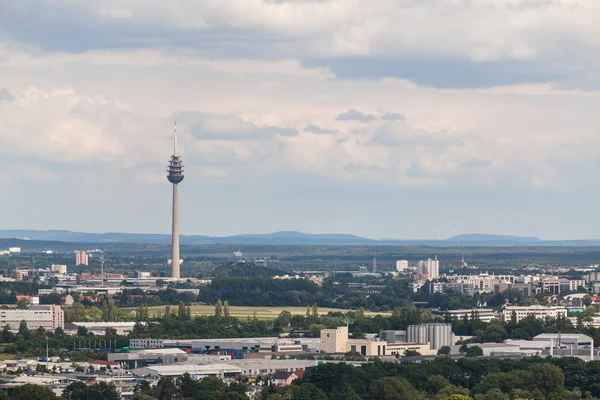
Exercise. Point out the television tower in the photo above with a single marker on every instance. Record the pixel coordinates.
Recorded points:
(175, 176)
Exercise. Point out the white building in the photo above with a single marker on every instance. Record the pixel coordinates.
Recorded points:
(81, 258)
(429, 268)
(484, 314)
(47, 317)
(539, 312)
(14, 249)
(59, 268)
(401, 265)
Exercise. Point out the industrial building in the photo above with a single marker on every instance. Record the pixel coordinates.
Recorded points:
(337, 341)
(436, 334)
(48, 317)
(251, 345)
(140, 358)
(232, 368)
(99, 328)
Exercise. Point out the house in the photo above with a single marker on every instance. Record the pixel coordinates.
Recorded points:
(283, 378)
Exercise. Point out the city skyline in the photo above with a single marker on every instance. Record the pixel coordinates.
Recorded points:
(296, 116)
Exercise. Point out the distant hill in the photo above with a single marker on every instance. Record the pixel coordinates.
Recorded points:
(31, 239)
(480, 237)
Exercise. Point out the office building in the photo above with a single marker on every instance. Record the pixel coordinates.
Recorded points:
(48, 317)
(81, 258)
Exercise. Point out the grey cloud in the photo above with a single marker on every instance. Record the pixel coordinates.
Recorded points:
(393, 117)
(5, 95)
(446, 73)
(400, 134)
(355, 115)
(228, 127)
(317, 129)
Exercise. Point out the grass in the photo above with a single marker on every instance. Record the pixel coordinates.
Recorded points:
(263, 313)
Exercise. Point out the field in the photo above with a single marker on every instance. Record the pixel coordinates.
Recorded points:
(263, 313)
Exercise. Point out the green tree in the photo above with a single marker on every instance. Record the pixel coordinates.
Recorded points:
(99, 391)
(22, 304)
(444, 350)
(219, 308)
(457, 397)
(23, 330)
(305, 391)
(435, 383)
(548, 377)
(393, 388)
(32, 392)
(226, 309)
(75, 313)
(474, 351)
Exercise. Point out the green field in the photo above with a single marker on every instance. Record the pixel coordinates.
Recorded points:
(263, 313)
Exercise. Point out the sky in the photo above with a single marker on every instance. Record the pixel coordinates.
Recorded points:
(386, 119)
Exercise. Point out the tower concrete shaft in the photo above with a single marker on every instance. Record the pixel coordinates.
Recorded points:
(175, 274)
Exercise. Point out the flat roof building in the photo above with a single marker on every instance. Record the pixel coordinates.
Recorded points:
(48, 317)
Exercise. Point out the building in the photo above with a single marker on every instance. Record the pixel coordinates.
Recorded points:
(175, 176)
(48, 317)
(283, 378)
(14, 250)
(337, 341)
(392, 336)
(363, 288)
(539, 312)
(429, 268)
(436, 334)
(146, 343)
(60, 269)
(484, 314)
(334, 340)
(81, 258)
(402, 265)
(99, 328)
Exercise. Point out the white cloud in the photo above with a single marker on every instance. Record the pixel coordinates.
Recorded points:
(477, 30)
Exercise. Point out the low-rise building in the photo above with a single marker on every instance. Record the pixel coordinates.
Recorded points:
(48, 317)
(484, 314)
(538, 312)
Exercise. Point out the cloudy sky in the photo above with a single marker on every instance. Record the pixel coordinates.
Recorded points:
(387, 118)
